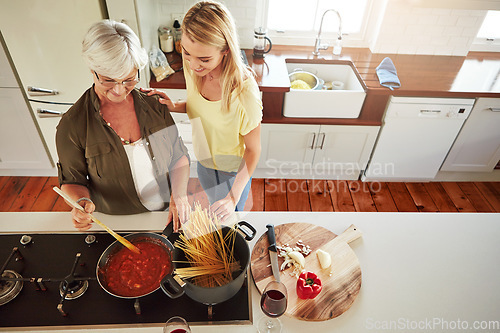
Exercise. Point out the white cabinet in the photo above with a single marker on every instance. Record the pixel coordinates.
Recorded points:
(477, 147)
(44, 39)
(21, 147)
(315, 151)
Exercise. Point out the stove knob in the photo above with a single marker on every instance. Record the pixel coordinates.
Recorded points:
(25, 240)
(90, 239)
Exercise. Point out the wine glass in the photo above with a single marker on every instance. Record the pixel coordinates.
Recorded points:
(273, 303)
(176, 325)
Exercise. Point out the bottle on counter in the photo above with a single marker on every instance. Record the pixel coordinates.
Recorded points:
(337, 48)
(177, 36)
(166, 39)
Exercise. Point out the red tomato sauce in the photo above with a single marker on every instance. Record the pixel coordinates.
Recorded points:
(130, 274)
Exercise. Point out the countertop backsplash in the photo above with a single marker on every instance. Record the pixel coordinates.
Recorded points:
(244, 13)
(408, 29)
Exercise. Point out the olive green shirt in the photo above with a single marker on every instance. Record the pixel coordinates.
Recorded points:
(91, 154)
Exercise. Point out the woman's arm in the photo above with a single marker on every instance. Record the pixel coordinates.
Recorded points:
(179, 206)
(250, 159)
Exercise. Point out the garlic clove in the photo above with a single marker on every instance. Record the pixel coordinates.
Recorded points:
(325, 260)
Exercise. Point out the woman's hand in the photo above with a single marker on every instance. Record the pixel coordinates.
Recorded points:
(224, 208)
(179, 211)
(164, 99)
(81, 220)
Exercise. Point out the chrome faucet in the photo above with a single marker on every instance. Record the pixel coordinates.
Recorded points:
(318, 46)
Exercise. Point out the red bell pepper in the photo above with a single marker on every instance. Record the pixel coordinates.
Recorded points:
(308, 285)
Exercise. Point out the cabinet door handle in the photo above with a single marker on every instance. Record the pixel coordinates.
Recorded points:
(323, 135)
(313, 140)
(35, 91)
(494, 109)
(45, 113)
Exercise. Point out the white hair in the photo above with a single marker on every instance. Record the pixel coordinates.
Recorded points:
(113, 49)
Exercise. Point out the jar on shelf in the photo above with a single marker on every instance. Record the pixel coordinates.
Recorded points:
(166, 39)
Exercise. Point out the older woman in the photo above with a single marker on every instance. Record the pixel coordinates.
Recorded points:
(119, 150)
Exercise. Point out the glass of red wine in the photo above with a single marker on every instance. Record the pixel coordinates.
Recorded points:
(273, 303)
(176, 325)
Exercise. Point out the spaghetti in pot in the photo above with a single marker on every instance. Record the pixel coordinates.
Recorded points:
(209, 252)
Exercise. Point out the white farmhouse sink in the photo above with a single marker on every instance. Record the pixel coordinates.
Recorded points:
(344, 103)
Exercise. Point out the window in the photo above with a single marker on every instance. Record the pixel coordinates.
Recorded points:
(297, 22)
(488, 37)
(491, 26)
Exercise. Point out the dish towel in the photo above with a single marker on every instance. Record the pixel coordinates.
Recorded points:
(387, 74)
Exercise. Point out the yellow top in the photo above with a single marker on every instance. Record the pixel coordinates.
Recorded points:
(217, 135)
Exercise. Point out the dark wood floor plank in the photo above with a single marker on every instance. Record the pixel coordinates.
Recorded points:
(421, 197)
(27, 197)
(341, 196)
(36, 194)
(440, 197)
(319, 196)
(361, 196)
(10, 191)
(255, 200)
(402, 197)
(61, 206)
(491, 191)
(297, 195)
(3, 181)
(275, 195)
(458, 197)
(47, 197)
(382, 197)
(475, 197)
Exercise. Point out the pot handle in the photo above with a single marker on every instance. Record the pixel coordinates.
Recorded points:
(172, 286)
(242, 226)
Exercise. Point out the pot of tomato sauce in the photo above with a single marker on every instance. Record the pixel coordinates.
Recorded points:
(125, 274)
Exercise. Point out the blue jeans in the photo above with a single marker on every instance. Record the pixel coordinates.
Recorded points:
(217, 184)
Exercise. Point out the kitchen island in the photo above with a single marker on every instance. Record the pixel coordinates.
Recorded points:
(420, 272)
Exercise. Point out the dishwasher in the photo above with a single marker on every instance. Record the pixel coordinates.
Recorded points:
(415, 138)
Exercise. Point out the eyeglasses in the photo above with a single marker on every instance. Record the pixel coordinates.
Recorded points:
(113, 83)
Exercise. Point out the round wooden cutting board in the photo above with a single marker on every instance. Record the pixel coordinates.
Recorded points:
(341, 282)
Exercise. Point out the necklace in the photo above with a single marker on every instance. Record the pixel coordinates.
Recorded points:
(126, 142)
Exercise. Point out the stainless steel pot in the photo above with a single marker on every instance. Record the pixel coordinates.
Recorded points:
(312, 80)
(175, 287)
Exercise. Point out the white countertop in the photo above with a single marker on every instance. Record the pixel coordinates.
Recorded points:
(422, 272)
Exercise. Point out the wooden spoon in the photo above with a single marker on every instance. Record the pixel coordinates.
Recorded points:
(119, 238)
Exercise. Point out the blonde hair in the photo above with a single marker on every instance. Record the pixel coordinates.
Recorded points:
(113, 49)
(211, 23)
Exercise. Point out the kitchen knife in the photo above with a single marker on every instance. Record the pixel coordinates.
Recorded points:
(273, 251)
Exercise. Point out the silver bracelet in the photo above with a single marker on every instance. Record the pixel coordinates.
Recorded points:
(83, 198)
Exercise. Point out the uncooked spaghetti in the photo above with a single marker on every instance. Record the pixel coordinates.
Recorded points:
(210, 254)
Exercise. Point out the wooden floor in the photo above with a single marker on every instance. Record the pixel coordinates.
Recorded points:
(24, 194)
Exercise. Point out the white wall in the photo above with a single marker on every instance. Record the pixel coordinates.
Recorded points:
(243, 11)
(409, 29)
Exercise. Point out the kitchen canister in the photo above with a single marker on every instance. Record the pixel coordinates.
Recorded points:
(166, 39)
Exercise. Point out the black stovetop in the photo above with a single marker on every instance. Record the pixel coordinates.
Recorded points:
(51, 256)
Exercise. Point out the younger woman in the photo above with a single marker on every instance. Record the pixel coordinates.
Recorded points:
(223, 104)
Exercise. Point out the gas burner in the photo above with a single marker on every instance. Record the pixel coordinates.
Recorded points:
(9, 289)
(76, 288)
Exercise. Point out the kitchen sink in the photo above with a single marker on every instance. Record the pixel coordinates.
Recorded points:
(345, 101)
